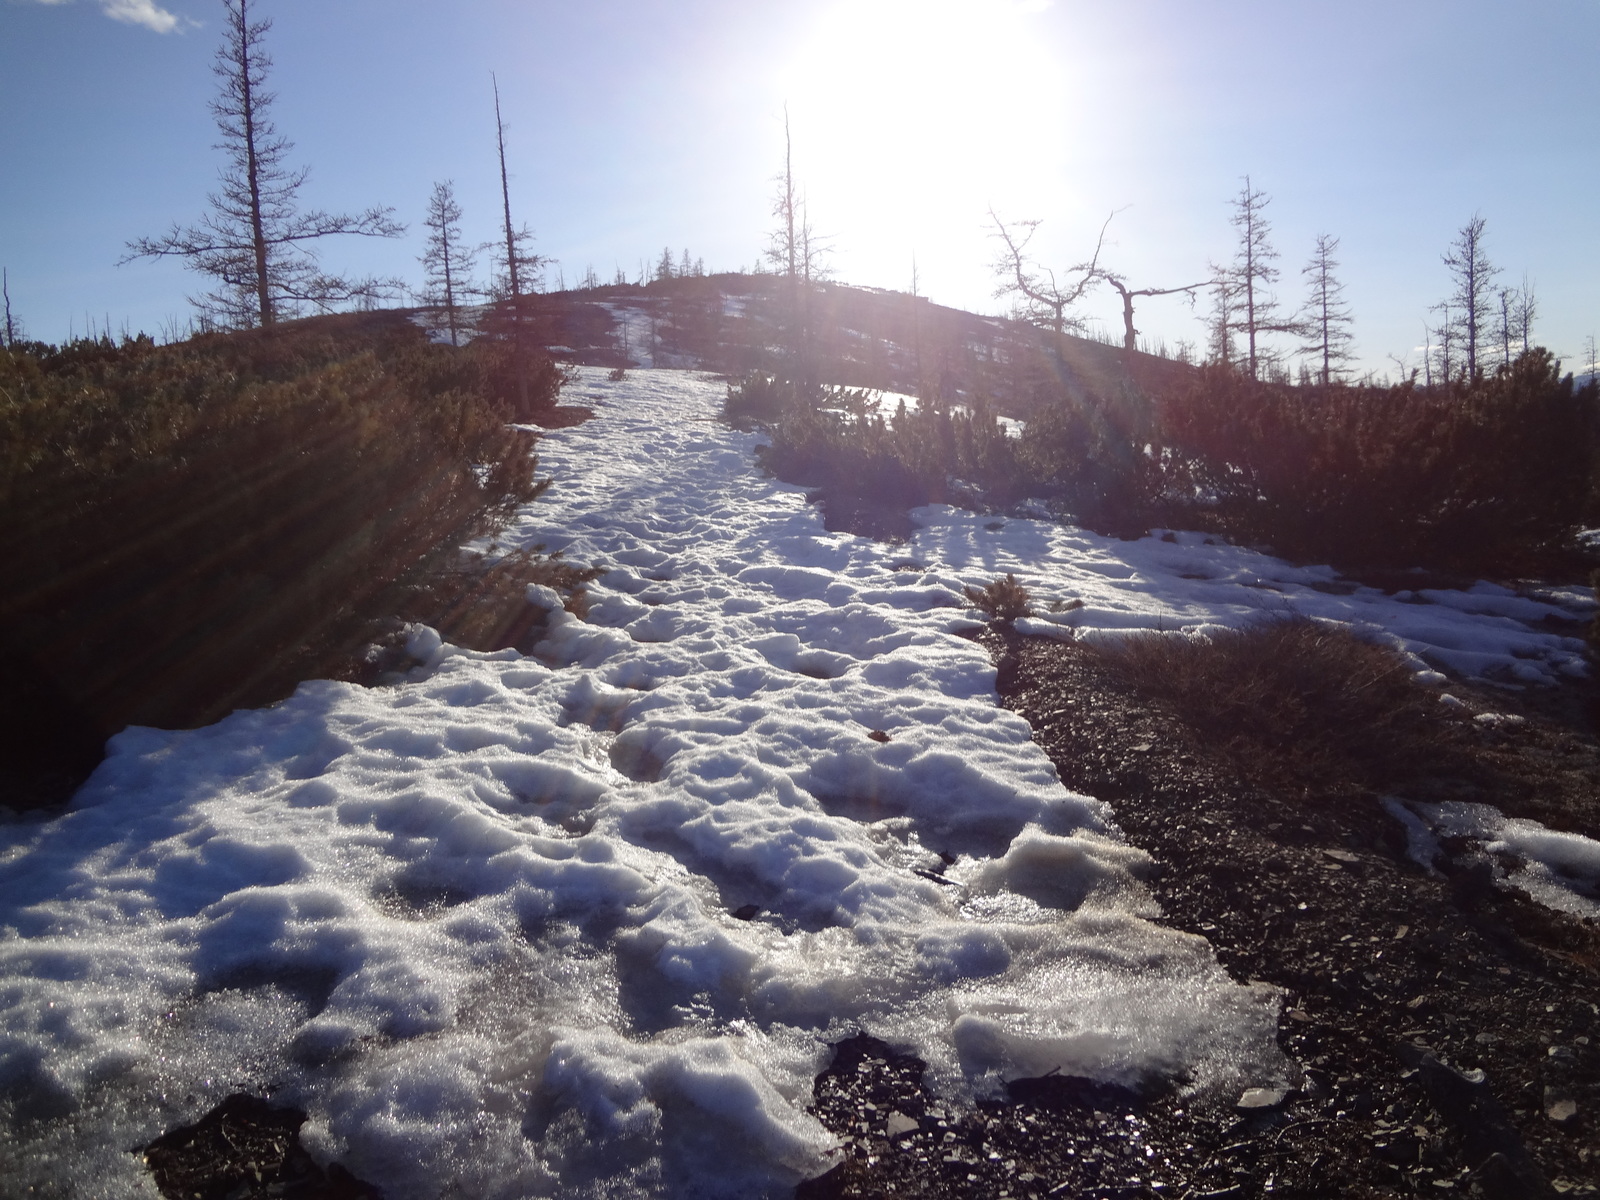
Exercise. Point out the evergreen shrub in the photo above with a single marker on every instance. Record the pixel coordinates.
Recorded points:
(1492, 477)
(188, 527)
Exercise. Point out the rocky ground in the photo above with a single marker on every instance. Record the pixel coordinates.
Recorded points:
(1446, 1026)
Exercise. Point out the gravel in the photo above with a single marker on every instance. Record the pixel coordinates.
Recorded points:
(1446, 1027)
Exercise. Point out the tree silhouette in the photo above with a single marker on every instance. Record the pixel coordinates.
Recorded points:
(519, 267)
(1327, 320)
(13, 327)
(519, 274)
(795, 248)
(1472, 273)
(447, 262)
(1044, 299)
(1130, 335)
(255, 242)
(783, 248)
(1252, 306)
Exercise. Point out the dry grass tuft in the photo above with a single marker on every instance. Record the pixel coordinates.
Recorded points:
(1002, 600)
(1293, 702)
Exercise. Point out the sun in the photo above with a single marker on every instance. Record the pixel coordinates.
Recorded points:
(910, 116)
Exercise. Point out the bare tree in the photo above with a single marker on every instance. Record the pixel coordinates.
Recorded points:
(1524, 307)
(1471, 296)
(1448, 333)
(1130, 335)
(1221, 349)
(520, 268)
(1044, 300)
(796, 252)
(814, 248)
(446, 260)
(783, 248)
(13, 328)
(255, 242)
(1327, 318)
(1503, 301)
(1254, 309)
(519, 272)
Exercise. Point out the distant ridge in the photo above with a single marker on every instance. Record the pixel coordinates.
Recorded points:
(854, 336)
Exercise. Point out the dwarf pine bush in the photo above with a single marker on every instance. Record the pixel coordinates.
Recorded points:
(837, 440)
(1488, 477)
(187, 524)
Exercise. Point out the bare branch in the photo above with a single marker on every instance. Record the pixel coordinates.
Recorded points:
(1043, 293)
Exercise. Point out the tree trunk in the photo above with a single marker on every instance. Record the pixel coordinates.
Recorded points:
(252, 167)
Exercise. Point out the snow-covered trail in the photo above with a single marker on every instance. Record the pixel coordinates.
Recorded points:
(582, 923)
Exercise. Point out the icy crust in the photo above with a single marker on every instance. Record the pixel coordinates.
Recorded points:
(1559, 870)
(582, 923)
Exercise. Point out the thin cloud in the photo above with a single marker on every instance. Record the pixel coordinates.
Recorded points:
(140, 12)
(136, 12)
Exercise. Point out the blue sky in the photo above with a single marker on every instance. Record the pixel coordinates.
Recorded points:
(633, 125)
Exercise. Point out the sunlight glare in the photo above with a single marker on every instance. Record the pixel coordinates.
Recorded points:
(910, 117)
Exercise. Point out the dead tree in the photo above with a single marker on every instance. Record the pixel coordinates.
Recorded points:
(1524, 307)
(783, 247)
(1251, 276)
(1472, 273)
(1045, 300)
(520, 267)
(1130, 335)
(255, 242)
(446, 260)
(13, 328)
(796, 252)
(1327, 318)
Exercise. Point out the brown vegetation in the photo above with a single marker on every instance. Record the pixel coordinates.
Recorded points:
(195, 527)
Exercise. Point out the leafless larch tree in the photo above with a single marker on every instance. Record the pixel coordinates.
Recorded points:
(447, 262)
(1471, 297)
(1041, 297)
(255, 243)
(1327, 319)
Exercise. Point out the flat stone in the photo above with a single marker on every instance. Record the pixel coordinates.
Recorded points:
(1343, 856)
(1561, 1111)
(898, 1124)
(1257, 1098)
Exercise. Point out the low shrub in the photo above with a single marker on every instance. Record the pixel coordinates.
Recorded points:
(865, 465)
(188, 526)
(1291, 702)
(1001, 600)
(1097, 458)
(1488, 478)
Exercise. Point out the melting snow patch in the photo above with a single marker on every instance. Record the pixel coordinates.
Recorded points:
(1559, 870)
(582, 923)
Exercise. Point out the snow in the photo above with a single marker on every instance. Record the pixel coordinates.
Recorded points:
(482, 924)
(1559, 870)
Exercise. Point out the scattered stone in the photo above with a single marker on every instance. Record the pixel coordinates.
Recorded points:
(1354, 988)
(1258, 1098)
(879, 735)
(898, 1124)
(1559, 1110)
